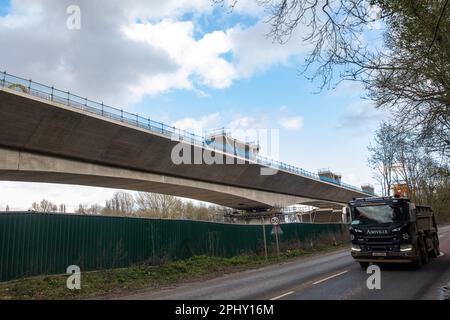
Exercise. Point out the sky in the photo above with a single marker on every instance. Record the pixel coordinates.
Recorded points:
(190, 64)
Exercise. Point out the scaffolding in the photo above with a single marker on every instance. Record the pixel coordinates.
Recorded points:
(328, 175)
(223, 139)
(290, 214)
(368, 188)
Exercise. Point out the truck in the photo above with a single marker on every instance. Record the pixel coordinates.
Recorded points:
(392, 230)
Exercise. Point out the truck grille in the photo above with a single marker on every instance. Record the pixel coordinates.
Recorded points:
(380, 248)
(381, 240)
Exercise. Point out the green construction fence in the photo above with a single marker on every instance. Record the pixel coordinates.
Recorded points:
(38, 243)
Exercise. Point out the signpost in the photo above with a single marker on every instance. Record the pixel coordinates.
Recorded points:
(264, 236)
(275, 221)
(276, 229)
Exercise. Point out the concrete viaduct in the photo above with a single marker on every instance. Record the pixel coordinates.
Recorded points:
(45, 138)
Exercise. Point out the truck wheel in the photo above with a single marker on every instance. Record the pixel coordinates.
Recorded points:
(425, 257)
(436, 251)
(419, 256)
(364, 265)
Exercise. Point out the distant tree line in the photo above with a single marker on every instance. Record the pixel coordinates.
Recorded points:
(142, 204)
(47, 206)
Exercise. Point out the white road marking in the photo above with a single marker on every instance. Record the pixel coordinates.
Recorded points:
(283, 295)
(330, 277)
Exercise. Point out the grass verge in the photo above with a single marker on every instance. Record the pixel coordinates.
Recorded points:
(117, 281)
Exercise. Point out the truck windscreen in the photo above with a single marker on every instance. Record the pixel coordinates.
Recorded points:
(377, 214)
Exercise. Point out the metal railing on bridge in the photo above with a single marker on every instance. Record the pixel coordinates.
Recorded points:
(53, 94)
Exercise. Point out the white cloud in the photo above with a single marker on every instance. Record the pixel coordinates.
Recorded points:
(97, 61)
(347, 89)
(242, 123)
(252, 8)
(126, 50)
(255, 52)
(291, 123)
(196, 58)
(198, 126)
(361, 117)
(375, 14)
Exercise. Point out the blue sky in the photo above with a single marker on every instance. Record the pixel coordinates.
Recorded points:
(209, 68)
(4, 7)
(325, 139)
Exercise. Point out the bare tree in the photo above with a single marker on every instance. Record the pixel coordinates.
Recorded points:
(203, 212)
(408, 73)
(396, 157)
(166, 206)
(121, 204)
(94, 209)
(417, 87)
(82, 209)
(44, 206)
(334, 29)
(382, 157)
(158, 205)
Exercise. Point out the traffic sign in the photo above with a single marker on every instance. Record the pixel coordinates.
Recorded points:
(275, 221)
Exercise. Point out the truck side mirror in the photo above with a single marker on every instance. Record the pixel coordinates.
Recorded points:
(346, 215)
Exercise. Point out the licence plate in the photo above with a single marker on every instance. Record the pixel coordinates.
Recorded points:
(379, 254)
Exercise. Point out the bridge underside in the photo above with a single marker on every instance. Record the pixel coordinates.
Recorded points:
(46, 141)
(33, 167)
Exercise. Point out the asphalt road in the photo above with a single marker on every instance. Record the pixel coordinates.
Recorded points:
(329, 276)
